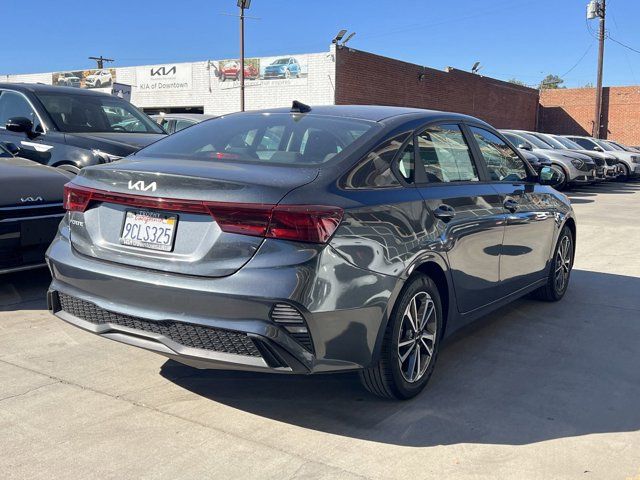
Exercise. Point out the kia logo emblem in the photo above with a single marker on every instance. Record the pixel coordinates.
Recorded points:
(163, 71)
(31, 199)
(140, 185)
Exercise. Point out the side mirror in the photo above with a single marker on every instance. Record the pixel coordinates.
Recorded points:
(548, 176)
(598, 148)
(21, 125)
(12, 147)
(524, 146)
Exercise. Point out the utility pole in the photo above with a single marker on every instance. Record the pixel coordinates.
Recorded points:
(600, 11)
(100, 61)
(242, 4)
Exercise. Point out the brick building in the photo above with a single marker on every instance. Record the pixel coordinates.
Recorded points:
(571, 111)
(338, 76)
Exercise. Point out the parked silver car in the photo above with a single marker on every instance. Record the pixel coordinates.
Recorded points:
(571, 168)
(629, 161)
(174, 122)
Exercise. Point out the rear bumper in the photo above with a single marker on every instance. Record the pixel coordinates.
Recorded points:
(343, 307)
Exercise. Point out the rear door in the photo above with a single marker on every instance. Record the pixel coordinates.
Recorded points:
(468, 213)
(529, 210)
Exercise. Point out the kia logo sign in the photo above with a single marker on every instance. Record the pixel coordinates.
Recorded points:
(140, 185)
(163, 71)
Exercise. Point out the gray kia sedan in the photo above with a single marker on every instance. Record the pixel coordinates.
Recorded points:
(310, 240)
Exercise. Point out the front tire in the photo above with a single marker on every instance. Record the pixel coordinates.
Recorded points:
(410, 344)
(560, 270)
(624, 174)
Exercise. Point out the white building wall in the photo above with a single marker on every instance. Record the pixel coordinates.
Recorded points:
(217, 97)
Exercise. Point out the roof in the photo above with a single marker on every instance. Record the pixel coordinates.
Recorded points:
(42, 88)
(189, 116)
(375, 113)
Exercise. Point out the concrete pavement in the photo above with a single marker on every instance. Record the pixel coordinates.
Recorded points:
(535, 390)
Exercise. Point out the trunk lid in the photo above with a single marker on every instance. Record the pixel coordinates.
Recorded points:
(199, 246)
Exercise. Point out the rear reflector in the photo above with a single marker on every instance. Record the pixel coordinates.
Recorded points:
(304, 223)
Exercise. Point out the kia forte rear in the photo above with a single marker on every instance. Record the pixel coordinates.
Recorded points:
(310, 240)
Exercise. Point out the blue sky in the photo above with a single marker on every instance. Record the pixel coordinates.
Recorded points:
(525, 39)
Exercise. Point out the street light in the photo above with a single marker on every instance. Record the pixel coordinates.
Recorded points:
(242, 4)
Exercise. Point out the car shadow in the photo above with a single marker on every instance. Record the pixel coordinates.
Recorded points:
(530, 372)
(26, 289)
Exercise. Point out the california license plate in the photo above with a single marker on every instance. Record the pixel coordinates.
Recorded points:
(147, 229)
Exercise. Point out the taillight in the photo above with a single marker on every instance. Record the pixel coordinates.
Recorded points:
(76, 199)
(306, 223)
(303, 223)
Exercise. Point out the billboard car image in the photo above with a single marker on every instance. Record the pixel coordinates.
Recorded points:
(97, 78)
(230, 69)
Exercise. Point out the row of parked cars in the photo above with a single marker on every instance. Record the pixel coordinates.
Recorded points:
(578, 160)
(295, 240)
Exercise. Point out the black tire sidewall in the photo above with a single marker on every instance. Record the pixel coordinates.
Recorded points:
(402, 388)
(564, 233)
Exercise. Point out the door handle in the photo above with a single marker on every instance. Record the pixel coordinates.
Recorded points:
(444, 213)
(511, 205)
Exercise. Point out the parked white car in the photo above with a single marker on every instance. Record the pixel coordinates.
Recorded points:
(101, 78)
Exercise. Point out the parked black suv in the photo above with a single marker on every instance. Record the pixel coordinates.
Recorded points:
(71, 128)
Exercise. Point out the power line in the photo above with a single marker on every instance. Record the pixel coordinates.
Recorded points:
(622, 44)
(578, 62)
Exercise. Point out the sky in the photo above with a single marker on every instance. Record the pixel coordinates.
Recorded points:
(522, 39)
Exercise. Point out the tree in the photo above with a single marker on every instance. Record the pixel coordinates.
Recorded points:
(588, 85)
(515, 81)
(551, 81)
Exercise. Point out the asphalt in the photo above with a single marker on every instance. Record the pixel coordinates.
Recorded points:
(535, 390)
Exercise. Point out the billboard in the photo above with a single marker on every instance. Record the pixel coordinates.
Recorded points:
(96, 78)
(164, 77)
(282, 70)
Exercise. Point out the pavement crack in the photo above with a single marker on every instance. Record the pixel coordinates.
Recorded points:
(26, 392)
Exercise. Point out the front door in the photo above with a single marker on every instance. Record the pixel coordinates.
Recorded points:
(467, 213)
(529, 210)
(12, 105)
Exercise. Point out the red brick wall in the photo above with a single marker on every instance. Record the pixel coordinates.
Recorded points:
(572, 111)
(367, 79)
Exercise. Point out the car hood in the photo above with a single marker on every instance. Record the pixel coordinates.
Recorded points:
(26, 182)
(114, 143)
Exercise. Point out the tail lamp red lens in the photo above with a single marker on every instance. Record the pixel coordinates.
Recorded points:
(304, 223)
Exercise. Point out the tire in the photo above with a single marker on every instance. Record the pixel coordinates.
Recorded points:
(562, 185)
(223, 77)
(287, 73)
(551, 291)
(98, 83)
(390, 377)
(624, 176)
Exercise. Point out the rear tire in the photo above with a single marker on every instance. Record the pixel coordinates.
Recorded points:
(410, 344)
(560, 269)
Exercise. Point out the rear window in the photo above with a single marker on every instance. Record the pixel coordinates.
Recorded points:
(276, 138)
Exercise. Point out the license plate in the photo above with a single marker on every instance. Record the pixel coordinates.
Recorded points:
(146, 229)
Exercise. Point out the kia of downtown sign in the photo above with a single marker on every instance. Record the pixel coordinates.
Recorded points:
(164, 77)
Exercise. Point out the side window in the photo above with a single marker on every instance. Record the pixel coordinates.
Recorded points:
(13, 104)
(182, 124)
(503, 163)
(584, 143)
(445, 155)
(374, 171)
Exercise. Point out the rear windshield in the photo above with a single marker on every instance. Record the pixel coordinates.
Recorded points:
(96, 114)
(277, 138)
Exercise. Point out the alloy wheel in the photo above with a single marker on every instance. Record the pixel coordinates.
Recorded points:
(417, 337)
(563, 264)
